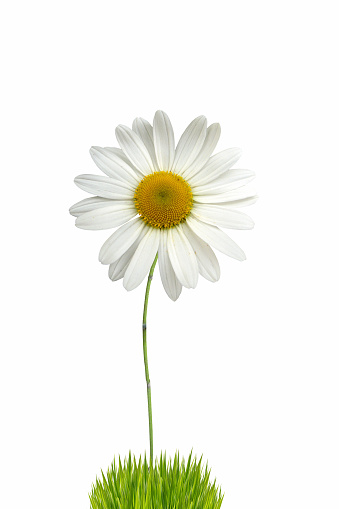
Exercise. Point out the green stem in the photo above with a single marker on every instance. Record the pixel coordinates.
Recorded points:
(148, 382)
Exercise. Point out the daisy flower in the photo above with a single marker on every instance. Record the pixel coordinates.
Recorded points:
(167, 200)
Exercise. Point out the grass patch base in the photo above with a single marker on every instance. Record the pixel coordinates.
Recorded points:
(175, 484)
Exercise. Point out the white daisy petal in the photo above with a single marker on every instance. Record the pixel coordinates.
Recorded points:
(222, 216)
(229, 180)
(216, 166)
(182, 257)
(163, 140)
(190, 144)
(244, 192)
(211, 140)
(224, 184)
(242, 202)
(216, 238)
(224, 188)
(121, 240)
(207, 261)
(121, 156)
(106, 217)
(109, 162)
(134, 149)
(169, 280)
(89, 204)
(145, 132)
(118, 268)
(142, 259)
(105, 187)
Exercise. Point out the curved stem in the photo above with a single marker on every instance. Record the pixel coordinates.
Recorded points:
(148, 382)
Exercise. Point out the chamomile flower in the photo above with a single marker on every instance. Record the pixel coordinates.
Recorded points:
(167, 200)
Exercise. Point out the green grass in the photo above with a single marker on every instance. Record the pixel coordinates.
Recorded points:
(167, 485)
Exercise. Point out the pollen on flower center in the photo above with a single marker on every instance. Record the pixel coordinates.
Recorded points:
(163, 199)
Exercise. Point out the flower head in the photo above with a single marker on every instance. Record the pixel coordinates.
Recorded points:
(167, 200)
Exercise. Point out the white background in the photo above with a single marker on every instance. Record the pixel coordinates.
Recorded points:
(244, 371)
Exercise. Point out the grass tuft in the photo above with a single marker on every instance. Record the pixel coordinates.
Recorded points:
(167, 485)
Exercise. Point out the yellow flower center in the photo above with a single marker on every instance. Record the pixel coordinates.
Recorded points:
(163, 199)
